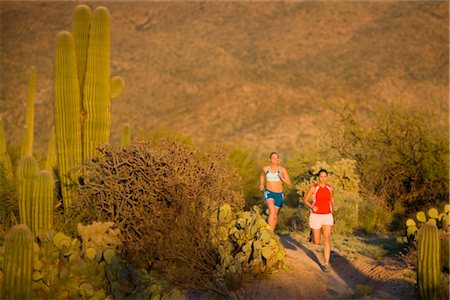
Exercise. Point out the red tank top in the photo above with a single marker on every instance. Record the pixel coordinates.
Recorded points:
(321, 198)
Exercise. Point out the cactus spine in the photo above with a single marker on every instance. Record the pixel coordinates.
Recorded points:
(18, 259)
(428, 261)
(26, 173)
(67, 114)
(42, 213)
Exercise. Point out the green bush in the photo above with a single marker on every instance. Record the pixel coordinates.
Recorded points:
(402, 158)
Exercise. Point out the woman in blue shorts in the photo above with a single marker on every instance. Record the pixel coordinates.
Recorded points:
(271, 179)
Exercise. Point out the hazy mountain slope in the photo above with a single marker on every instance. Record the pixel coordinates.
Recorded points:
(258, 72)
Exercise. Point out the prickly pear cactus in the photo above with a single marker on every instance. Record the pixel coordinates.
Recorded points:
(63, 270)
(17, 263)
(247, 246)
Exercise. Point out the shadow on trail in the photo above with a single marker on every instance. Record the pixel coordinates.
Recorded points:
(289, 243)
(354, 278)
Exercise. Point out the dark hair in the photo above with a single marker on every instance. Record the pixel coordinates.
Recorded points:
(270, 156)
(322, 170)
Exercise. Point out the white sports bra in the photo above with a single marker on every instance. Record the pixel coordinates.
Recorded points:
(273, 176)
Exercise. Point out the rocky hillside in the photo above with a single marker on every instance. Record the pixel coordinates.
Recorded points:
(262, 73)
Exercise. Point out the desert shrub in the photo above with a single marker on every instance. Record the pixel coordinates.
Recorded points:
(402, 158)
(345, 181)
(161, 194)
(374, 215)
(246, 164)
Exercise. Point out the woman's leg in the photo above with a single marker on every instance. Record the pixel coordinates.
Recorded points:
(275, 217)
(326, 229)
(316, 236)
(272, 220)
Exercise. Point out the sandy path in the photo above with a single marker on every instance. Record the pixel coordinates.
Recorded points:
(387, 278)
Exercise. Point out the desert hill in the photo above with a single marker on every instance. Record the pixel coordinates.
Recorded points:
(261, 73)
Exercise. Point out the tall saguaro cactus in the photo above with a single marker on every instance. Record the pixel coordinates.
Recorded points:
(428, 261)
(18, 259)
(27, 169)
(42, 206)
(83, 63)
(67, 115)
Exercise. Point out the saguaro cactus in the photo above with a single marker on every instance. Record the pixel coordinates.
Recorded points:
(42, 212)
(6, 173)
(18, 259)
(82, 117)
(428, 261)
(27, 169)
(67, 114)
(30, 111)
(125, 138)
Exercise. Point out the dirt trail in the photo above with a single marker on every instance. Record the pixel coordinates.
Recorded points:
(350, 277)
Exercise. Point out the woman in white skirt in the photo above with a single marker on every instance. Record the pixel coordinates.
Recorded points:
(321, 217)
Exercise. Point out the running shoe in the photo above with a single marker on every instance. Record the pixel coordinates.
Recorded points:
(326, 268)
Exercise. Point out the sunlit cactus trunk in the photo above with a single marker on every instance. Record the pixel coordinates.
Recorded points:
(27, 169)
(42, 213)
(428, 261)
(6, 173)
(17, 263)
(67, 115)
(97, 85)
(80, 29)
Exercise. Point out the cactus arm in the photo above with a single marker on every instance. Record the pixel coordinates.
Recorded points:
(97, 86)
(67, 115)
(117, 85)
(30, 112)
(125, 138)
(80, 30)
(6, 173)
(51, 153)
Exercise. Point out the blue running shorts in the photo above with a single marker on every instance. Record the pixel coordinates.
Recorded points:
(277, 198)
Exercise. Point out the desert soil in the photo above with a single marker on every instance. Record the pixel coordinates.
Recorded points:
(352, 276)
